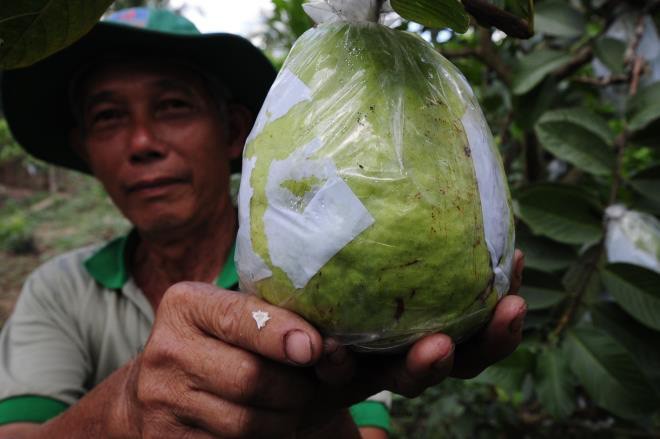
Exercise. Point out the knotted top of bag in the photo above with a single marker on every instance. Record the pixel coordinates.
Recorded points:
(374, 11)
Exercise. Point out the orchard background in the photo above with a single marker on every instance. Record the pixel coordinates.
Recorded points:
(571, 90)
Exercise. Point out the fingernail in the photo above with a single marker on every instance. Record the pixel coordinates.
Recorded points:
(298, 347)
(441, 363)
(516, 324)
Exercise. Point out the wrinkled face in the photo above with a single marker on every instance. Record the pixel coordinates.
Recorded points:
(159, 144)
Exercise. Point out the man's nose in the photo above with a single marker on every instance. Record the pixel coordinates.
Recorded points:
(145, 145)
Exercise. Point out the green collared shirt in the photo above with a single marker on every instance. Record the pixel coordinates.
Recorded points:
(80, 317)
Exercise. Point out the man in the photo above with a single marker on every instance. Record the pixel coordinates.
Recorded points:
(108, 341)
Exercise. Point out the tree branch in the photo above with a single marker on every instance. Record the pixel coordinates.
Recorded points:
(489, 15)
(582, 57)
(602, 80)
(486, 52)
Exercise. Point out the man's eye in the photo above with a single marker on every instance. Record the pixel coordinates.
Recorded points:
(106, 116)
(174, 106)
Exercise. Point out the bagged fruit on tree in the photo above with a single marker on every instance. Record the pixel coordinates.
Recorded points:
(373, 200)
(632, 237)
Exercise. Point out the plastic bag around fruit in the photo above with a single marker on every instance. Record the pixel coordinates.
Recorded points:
(373, 200)
(632, 237)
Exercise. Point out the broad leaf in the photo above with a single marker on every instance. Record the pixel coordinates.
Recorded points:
(536, 102)
(436, 14)
(637, 290)
(644, 107)
(541, 290)
(531, 69)
(538, 298)
(608, 373)
(578, 136)
(30, 31)
(643, 111)
(559, 19)
(640, 341)
(564, 213)
(582, 276)
(647, 182)
(610, 52)
(542, 253)
(510, 372)
(554, 383)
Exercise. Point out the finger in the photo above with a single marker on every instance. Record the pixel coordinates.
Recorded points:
(427, 362)
(516, 275)
(337, 365)
(228, 316)
(500, 338)
(245, 378)
(222, 418)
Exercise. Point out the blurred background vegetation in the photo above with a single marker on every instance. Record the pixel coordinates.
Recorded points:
(575, 110)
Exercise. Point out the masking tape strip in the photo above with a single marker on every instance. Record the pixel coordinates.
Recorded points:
(286, 91)
(252, 266)
(306, 229)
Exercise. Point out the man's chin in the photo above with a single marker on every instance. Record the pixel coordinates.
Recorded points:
(161, 225)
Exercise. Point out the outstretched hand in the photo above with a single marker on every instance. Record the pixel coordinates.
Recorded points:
(208, 370)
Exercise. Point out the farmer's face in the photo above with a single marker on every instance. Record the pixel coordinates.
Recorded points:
(159, 144)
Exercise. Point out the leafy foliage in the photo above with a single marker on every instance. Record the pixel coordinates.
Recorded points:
(30, 31)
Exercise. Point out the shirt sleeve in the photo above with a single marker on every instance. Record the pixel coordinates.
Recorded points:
(374, 412)
(43, 363)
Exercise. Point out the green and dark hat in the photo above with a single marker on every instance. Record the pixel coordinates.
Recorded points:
(36, 99)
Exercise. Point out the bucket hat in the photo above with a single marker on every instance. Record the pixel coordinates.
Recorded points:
(36, 100)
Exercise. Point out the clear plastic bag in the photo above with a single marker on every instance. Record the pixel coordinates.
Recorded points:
(632, 237)
(373, 200)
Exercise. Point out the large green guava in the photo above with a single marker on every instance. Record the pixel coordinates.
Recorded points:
(385, 109)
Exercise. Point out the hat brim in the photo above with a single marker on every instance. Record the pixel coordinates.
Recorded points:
(36, 98)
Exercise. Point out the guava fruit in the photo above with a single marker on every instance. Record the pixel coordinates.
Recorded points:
(373, 200)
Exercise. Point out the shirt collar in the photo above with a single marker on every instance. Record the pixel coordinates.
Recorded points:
(108, 265)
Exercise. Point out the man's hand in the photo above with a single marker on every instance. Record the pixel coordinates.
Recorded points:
(207, 370)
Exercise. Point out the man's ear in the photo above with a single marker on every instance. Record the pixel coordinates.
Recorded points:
(240, 123)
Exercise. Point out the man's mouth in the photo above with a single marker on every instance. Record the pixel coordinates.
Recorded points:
(154, 185)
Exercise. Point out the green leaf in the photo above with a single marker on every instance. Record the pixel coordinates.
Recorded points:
(536, 102)
(583, 276)
(578, 136)
(644, 107)
(647, 182)
(523, 9)
(608, 373)
(559, 19)
(531, 69)
(542, 253)
(510, 372)
(637, 290)
(610, 52)
(30, 31)
(538, 298)
(554, 383)
(541, 290)
(564, 213)
(640, 341)
(436, 14)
